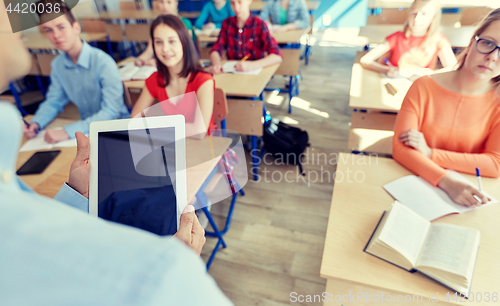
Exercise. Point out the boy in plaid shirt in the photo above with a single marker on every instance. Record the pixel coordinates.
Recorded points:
(244, 37)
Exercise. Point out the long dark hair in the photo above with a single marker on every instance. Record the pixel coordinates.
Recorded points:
(190, 58)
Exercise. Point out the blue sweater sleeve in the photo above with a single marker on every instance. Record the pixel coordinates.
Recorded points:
(203, 17)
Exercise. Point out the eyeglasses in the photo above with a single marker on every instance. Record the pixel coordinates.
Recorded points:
(485, 46)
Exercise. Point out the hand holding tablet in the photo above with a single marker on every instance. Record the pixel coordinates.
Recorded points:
(138, 172)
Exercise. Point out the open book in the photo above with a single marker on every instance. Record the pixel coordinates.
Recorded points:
(228, 67)
(444, 252)
(129, 71)
(426, 200)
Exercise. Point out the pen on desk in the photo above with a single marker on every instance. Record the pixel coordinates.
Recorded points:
(478, 175)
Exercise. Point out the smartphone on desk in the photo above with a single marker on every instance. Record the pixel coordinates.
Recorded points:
(38, 162)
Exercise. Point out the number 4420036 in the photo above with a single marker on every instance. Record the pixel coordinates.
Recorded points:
(34, 8)
(473, 297)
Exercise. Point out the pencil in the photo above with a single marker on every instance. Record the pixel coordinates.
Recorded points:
(245, 58)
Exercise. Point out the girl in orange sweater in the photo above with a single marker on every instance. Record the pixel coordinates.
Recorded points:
(452, 120)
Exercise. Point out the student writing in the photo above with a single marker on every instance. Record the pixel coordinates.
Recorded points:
(452, 120)
(244, 35)
(419, 45)
(82, 74)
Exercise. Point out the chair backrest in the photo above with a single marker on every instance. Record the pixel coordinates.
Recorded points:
(130, 6)
(94, 25)
(115, 32)
(474, 15)
(83, 9)
(137, 32)
(220, 106)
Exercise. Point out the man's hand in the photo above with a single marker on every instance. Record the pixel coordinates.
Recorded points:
(190, 230)
(54, 136)
(80, 168)
(416, 140)
(31, 131)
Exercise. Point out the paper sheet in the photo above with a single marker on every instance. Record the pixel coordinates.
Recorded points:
(129, 71)
(426, 200)
(38, 143)
(228, 67)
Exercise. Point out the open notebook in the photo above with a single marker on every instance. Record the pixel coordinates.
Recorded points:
(129, 71)
(426, 200)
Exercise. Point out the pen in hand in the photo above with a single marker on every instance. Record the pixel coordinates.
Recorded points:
(478, 175)
(28, 126)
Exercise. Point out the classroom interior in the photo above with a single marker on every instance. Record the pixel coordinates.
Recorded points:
(282, 237)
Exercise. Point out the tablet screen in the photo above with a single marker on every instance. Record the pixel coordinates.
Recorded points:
(136, 178)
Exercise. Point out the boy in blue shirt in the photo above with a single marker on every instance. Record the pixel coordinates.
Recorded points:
(217, 10)
(82, 74)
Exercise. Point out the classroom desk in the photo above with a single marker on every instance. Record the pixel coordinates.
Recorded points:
(368, 91)
(375, 110)
(458, 37)
(198, 166)
(37, 41)
(357, 204)
(396, 4)
(288, 37)
(290, 46)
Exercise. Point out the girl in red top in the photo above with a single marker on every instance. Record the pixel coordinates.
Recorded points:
(417, 46)
(451, 120)
(181, 85)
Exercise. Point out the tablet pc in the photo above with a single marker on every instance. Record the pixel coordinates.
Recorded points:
(138, 172)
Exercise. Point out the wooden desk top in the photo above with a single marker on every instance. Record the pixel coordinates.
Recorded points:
(38, 41)
(395, 4)
(133, 14)
(257, 6)
(368, 91)
(458, 37)
(292, 37)
(357, 205)
(198, 162)
(238, 85)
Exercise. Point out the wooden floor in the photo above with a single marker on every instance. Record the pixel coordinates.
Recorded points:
(276, 239)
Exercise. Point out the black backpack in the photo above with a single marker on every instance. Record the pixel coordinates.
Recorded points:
(286, 142)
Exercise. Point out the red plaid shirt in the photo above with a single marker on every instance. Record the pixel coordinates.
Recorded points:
(253, 40)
